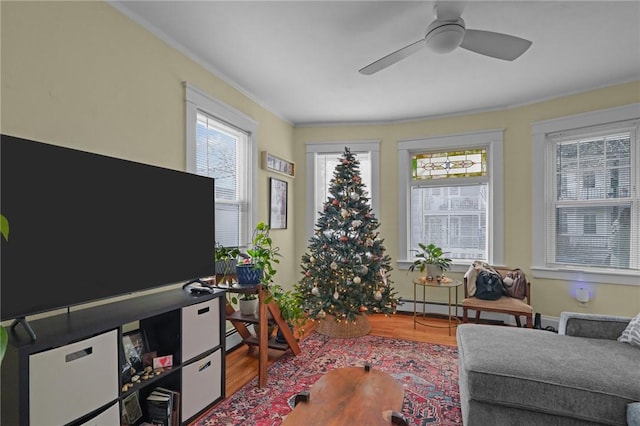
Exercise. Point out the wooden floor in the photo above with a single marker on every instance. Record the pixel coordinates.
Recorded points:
(242, 363)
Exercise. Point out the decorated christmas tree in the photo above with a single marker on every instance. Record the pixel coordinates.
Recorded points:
(346, 270)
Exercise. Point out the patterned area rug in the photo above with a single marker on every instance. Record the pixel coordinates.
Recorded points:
(428, 373)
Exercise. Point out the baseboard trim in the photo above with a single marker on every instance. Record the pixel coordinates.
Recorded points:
(440, 309)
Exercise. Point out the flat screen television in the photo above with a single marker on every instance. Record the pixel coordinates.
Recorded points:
(86, 227)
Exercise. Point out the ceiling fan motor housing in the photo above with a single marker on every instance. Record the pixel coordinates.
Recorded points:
(445, 36)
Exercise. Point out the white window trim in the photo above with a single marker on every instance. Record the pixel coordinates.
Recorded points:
(196, 100)
(371, 146)
(540, 130)
(493, 139)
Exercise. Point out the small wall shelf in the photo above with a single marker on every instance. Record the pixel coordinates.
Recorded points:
(277, 164)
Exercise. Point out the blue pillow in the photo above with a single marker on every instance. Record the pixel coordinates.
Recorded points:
(633, 414)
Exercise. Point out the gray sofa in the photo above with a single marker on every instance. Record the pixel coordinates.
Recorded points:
(521, 376)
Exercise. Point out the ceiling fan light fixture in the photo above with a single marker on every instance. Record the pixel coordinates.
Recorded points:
(444, 37)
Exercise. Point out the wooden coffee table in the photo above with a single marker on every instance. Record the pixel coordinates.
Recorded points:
(350, 396)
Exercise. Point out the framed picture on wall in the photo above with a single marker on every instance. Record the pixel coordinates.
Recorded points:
(276, 164)
(277, 203)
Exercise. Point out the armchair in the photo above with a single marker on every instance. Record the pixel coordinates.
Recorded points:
(507, 305)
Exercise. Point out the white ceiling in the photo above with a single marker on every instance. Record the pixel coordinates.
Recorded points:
(300, 59)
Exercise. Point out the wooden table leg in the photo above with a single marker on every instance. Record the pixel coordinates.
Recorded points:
(263, 340)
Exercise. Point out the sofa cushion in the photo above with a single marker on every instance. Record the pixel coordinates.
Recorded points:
(631, 334)
(586, 379)
(633, 414)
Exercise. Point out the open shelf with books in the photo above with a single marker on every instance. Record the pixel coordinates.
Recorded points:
(109, 359)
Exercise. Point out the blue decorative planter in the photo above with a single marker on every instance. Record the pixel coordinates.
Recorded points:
(247, 275)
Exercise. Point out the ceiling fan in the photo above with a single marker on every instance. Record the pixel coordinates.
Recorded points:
(449, 32)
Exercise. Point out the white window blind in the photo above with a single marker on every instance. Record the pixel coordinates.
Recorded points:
(322, 158)
(449, 202)
(592, 217)
(452, 187)
(221, 142)
(219, 152)
(325, 166)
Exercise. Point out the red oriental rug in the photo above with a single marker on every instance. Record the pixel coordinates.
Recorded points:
(428, 373)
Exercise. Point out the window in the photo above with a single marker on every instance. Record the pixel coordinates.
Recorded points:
(452, 189)
(587, 202)
(221, 143)
(322, 159)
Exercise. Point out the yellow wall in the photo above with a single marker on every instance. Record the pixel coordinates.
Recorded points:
(550, 297)
(80, 74)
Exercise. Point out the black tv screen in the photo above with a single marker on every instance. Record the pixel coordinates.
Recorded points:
(85, 227)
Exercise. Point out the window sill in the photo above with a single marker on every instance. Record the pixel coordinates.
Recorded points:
(456, 267)
(594, 276)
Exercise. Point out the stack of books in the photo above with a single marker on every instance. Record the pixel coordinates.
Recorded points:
(163, 407)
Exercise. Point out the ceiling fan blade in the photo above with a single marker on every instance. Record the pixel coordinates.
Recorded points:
(449, 10)
(392, 58)
(496, 45)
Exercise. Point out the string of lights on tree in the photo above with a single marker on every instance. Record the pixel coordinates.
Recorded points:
(345, 270)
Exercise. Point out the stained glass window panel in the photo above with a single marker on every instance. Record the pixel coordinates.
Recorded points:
(452, 164)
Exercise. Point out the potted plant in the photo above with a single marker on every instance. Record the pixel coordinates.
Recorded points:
(226, 259)
(432, 259)
(247, 304)
(291, 308)
(257, 267)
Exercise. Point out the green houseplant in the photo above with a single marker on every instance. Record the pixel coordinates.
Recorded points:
(226, 259)
(291, 308)
(247, 303)
(261, 257)
(432, 259)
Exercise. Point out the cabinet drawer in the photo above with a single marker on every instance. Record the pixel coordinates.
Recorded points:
(109, 417)
(68, 382)
(201, 384)
(200, 328)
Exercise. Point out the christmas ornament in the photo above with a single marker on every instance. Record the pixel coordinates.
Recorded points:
(355, 196)
(377, 295)
(356, 280)
(356, 223)
(336, 295)
(312, 259)
(334, 265)
(315, 291)
(363, 309)
(344, 239)
(362, 270)
(344, 213)
(335, 202)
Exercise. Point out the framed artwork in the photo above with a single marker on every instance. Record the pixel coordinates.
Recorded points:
(277, 203)
(279, 165)
(134, 348)
(131, 410)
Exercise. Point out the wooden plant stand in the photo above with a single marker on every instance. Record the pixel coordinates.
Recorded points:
(262, 342)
